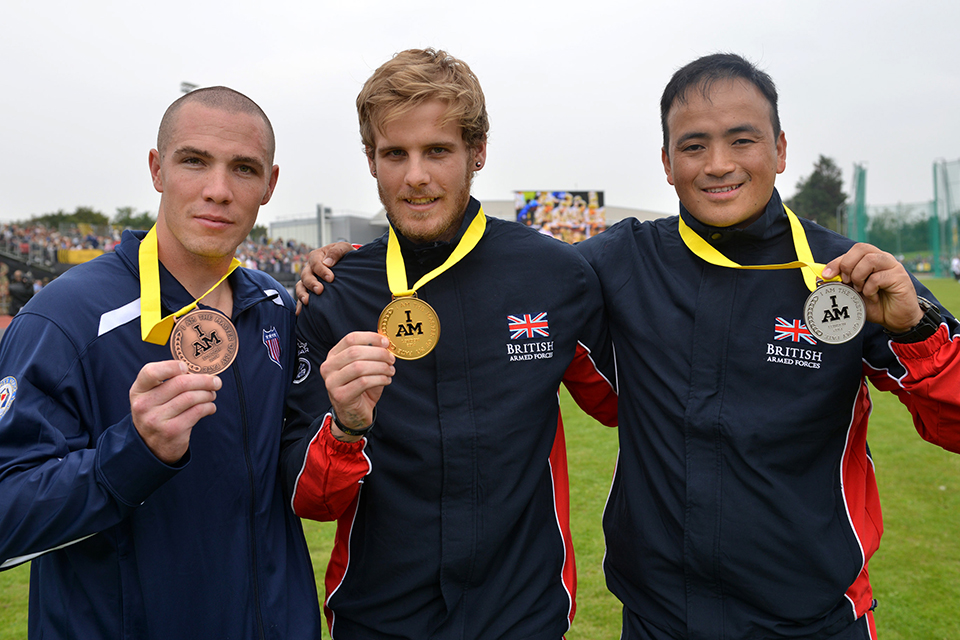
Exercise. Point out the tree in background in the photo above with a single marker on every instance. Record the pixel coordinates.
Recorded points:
(128, 218)
(82, 215)
(900, 230)
(258, 233)
(820, 194)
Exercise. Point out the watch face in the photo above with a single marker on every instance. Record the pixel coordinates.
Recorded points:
(931, 319)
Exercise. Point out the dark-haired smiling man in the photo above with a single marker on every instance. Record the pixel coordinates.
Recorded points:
(744, 503)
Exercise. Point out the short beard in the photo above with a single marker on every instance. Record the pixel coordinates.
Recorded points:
(453, 224)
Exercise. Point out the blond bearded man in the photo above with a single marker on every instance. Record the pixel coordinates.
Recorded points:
(437, 443)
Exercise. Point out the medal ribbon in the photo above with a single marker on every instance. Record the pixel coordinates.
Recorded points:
(812, 271)
(153, 328)
(397, 272)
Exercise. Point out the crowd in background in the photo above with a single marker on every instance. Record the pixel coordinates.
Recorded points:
(38, 246)
(17, 288)
(274, 256)
(35, 244)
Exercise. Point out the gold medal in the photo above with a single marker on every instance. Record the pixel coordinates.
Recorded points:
(412, 327)
(205, 340)
(834, 313)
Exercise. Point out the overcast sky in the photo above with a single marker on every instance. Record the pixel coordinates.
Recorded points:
(572, 90)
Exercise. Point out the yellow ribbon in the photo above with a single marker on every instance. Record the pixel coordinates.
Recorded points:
(397, 272)
(812, 271)
(153, 328)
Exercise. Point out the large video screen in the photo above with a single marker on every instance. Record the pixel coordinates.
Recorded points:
(571, 216)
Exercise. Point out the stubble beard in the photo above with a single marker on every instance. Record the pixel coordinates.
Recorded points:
(450, 226)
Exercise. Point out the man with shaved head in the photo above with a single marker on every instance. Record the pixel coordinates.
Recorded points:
(220, 98)
(141, 478)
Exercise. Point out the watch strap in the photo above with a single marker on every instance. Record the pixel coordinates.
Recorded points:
(353, 432)
(927, 326)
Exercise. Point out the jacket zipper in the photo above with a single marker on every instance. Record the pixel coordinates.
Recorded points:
(253, 512)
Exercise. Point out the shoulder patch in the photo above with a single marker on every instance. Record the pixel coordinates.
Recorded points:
(8, 391)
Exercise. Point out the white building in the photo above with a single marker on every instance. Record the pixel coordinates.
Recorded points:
(327, 226)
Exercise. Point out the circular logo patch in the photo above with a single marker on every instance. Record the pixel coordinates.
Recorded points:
(8, 391)
(303, 370)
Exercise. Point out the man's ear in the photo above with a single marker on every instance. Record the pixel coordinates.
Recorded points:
(154, 160)
(271, 184)
(665, 158)
(480, 155)
(781, 152)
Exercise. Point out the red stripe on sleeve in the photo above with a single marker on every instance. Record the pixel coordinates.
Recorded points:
(329, 480)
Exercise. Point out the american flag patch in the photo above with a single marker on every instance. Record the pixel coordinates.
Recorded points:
(272, 341)
(794, 331)
(528, 326)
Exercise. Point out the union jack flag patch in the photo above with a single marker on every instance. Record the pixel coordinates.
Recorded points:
(794, 331)
(528, 326)
(272, 341)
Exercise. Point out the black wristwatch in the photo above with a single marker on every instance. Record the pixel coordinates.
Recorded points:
(354, 432)
(927, 326)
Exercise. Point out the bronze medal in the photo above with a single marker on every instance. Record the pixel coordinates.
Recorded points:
(205, 340)
(412, 327)
(834, 313)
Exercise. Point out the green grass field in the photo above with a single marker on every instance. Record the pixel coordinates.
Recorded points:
(915, 574)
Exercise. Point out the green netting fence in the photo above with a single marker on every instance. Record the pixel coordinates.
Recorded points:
(924, 235)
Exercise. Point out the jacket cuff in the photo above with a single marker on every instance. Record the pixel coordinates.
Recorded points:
(325, 437)
(128, 468)
(924, 348)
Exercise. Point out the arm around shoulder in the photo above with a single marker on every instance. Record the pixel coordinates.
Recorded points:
(324, 474)
(591, 375)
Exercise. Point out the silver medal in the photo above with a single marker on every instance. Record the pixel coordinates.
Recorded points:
(834, 313)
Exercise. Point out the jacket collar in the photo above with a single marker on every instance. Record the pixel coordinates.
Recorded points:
(173, 296)
(422, 257)
(473, 206)
(771, 223)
